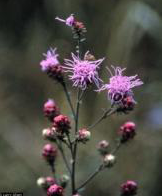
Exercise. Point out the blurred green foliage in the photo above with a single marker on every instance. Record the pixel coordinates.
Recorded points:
(129, 34)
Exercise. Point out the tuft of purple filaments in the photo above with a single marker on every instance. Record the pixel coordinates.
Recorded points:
(50, 61)
(119, 85)
(83, 72)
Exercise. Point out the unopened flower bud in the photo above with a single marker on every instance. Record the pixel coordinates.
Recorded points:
(129, 188)
(49, 153)
(103, 147)
(50, 109)
(41, 182)
(49, 134)
(50, 181)
(109, 160)
(127, 131)
(64, 180)
(62, 124)
(83, 135)
(55, 190)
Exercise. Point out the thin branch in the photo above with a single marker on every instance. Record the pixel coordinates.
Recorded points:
(75, 144)
(115, 150)
(100, 168)
(68, 99)
(64, 157)
(107, 113)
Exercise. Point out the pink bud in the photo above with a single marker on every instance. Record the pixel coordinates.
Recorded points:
(50, 109)
(83, 135)
(55, 190)
(49, 153)
(127, 131)
(129, 188)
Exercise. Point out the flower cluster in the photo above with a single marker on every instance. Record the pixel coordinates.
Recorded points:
(83, 72)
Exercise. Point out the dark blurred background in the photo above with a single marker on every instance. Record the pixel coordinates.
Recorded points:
(129, 34)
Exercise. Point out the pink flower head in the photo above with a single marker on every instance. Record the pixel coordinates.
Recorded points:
(83, 72)
(50, 61)
(69, 21)
(120, 86)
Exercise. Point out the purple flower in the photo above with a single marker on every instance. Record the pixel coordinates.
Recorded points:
(83, 72)
(50, 61)
(69, 21)
(119, 86)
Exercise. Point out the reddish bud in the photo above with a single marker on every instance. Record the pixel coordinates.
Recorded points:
(49, 153)
(55, 190)
(62, 124)
(50, 109)
(127, 131)
(56, 73)
(129, 188)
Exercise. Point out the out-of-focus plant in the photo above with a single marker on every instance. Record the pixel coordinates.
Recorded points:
(83, 72)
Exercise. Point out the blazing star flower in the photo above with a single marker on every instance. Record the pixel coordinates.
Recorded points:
(69, 21)
(83, 72)
(120, 87)
(50, 61)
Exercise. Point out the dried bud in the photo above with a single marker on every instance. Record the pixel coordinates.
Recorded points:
(41, 182)
(109, 160)
(127, 104)
(83, 135)
(103, 147)
(127, 131)
(49, 134)
(50, 109)
(129, 188)
(56, 73)
(64, 180)
(55, 190)
(89, 57)
(49, 153)
(62, 124)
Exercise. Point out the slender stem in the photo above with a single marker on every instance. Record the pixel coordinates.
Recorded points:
(70, 144)
(59, 144)
(68, 99)
(75, 144)
(104, 115)
(52, 165)
(114, 151)
(100, 168)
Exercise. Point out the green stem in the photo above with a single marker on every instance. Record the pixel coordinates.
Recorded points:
(68, 99)
(100, 168)
(107, 113)
(75, 144)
